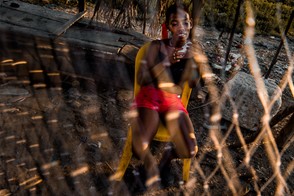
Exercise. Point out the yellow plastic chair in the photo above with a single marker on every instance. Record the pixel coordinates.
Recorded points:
(162, 134)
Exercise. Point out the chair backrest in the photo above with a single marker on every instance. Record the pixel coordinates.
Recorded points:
(162, 134)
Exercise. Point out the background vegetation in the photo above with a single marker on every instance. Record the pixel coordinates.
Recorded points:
(271, 15)
(221, 14)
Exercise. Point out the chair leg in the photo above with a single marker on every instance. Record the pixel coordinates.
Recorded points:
(125, 159)
(186, 169)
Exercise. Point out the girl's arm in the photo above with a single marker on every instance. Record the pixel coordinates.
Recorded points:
(145, 75)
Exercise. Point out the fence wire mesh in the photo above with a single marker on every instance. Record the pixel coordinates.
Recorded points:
(63, 124)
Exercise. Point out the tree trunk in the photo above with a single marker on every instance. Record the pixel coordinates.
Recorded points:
(82, 5)
(281, 115)
(232, 32)
(196, 12)
(280, 46)
(286, 133)
(144, 16)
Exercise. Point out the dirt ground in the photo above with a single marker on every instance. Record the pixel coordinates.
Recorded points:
(67, 138)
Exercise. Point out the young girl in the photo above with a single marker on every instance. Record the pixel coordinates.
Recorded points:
(166, 66)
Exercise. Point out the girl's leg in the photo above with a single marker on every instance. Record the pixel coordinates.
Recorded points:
(182, 133)
(144, 128)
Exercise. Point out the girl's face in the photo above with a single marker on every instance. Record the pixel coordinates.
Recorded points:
(180, 26)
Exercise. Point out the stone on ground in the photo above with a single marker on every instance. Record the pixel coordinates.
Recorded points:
(243, 93)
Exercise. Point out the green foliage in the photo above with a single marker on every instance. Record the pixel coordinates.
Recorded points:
(221, 14)
(267, 16)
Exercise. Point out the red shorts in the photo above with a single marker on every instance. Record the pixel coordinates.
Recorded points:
(159, 100)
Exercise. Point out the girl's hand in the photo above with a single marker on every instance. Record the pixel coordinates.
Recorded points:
(179, 53)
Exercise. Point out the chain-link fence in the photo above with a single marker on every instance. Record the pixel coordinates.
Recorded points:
(64, 121)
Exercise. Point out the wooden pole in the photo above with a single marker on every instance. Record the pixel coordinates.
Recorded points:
(68, 24)
(279, 48)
